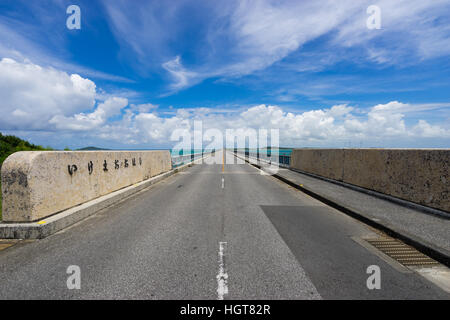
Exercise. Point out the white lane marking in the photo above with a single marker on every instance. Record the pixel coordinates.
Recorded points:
(222, 276)
(223, 182)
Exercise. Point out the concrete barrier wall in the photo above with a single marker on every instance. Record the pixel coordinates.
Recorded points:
(323, 162)
(37, 184)
(416, 175)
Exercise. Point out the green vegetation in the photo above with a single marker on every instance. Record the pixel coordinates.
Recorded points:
(11, 144)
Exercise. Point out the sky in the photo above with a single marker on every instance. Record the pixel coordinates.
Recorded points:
(136, 71)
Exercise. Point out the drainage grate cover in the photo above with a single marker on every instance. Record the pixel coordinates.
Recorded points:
(401, 252)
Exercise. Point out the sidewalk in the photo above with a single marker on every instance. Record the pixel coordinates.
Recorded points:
(428, 232)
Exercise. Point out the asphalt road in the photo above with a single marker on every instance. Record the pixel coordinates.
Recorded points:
(196, 236)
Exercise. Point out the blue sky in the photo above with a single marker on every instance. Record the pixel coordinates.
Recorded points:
(138, 70)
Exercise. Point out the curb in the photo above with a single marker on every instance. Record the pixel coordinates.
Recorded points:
(404, 203)
(68, 217)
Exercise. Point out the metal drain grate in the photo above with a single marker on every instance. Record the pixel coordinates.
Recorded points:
(401, 252)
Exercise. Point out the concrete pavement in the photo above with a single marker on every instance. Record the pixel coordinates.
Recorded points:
(429, 230)
(193, 237)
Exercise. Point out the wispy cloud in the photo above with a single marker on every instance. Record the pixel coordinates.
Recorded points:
(41, 40)
(181, 76)
(241, 37)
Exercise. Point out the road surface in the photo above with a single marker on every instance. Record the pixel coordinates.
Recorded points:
(210, 232)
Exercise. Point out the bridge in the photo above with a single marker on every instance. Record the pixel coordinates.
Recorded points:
(227, 224)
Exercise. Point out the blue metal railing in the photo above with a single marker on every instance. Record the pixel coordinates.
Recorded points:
(186, 158)
(282, 157)
(178, 160)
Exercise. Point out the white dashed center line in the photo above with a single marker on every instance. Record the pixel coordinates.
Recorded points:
(222, 276)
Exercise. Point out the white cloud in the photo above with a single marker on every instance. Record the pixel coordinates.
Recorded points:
(267, 31)
(424, 129)
(143, 108)
(181, 76)
(45, 99)
(30, 94)
(39, 98)
(322, 127)
(89, 121)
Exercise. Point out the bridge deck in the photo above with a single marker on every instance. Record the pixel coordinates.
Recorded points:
(176, 239)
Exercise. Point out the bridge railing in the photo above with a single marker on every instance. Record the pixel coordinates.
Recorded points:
(271, 157)
(186, 158)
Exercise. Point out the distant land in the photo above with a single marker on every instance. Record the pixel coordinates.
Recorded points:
(91, 149)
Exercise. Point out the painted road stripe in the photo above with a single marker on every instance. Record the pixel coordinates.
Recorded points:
(223, 161)
(222, 276)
